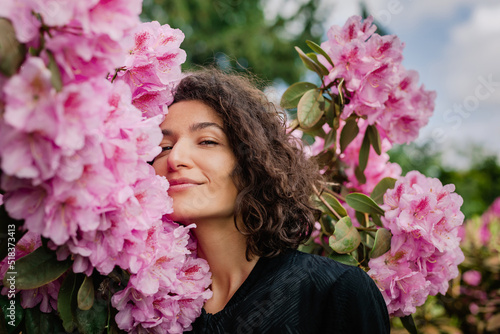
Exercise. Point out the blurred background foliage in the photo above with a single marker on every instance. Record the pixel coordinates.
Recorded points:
(239, 35)
(236, 34)
(477, 184)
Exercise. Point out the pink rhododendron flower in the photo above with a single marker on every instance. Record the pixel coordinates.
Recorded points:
(377, 85)
(19, 13)
(167, 294)
(45, 295)
(403, 286)
(425, 208)
(410, 108)
(424, 217)
(472, 277)
(81, 57)
(153, 66)
(22, 200)
(114, 18)
(27, 94)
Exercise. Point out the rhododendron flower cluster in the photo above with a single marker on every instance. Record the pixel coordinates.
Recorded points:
(423, 217)
(377, 84)
(152, 67)
(74, 155)
(84, 150)
(45, 295)
(86, 37)
(167, 295)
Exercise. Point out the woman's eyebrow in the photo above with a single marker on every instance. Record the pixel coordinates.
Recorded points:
(195, 127)
(203, 125)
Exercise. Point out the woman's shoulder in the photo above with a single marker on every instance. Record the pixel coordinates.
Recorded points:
(322, 267)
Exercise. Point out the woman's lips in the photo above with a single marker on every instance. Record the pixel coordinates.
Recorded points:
(182, 184)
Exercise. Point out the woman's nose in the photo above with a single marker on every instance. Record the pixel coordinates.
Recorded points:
(179, 157)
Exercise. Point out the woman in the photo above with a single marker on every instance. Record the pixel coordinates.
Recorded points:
(236, 173)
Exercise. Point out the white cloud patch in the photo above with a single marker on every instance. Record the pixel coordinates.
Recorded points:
(473, 54)
(411, 13)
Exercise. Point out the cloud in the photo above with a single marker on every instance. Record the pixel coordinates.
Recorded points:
(411, 13)
(473, 52)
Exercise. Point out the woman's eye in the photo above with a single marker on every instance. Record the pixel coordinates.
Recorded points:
(208, 142)
(166, 148)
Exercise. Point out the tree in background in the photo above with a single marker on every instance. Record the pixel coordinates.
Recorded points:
(236, 34)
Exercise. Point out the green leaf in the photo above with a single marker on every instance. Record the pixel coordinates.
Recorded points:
(37, 322)
(349, 132)
(12, 53)
(310, 64)
(330, 139)
(316, 48)
(309, 109)
(409, 324)
(316, 130)
(382, 243)
(381, 188)
(55, 77)
(334, 203)
(364, 152)
(328, 223)
(376, 220)
(314, 57)
(38, 268)
(363, 203)
(330, 114)
(66, 302)
(85, 296)
(93, 321)
(360, 175)
(292, 95)
(345, 259)
(12, 313)
(346, 237)
(374, 137)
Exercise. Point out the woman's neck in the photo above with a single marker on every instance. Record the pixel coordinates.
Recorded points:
(224, 248)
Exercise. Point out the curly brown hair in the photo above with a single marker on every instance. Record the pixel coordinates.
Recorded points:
(274, 178)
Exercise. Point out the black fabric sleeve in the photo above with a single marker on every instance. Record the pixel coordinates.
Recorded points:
(356, 306)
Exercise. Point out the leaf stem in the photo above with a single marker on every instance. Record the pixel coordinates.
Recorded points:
(368, 229)
(326, 203)
(333, 193)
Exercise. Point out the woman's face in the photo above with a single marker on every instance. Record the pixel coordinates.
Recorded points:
(198, 161)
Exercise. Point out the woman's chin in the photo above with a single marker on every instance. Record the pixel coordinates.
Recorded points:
(178, 218)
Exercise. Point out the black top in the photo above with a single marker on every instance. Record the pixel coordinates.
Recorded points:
(301, 293)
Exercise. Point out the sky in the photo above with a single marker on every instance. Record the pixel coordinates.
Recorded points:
(454, 45)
